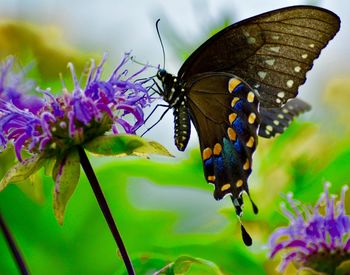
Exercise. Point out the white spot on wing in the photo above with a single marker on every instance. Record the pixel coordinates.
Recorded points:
(270, 62)
(281, 94)
(290, 83)
(304, 56)
(251, 40)
(275, 49)
(297, 69)
(262, 74)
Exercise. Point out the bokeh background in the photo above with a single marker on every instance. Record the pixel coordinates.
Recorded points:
(163, 207)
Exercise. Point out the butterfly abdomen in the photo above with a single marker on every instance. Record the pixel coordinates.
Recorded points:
(182, 125)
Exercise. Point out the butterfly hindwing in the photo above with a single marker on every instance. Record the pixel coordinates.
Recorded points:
(276, 120)
(272, 52)
(224, 111)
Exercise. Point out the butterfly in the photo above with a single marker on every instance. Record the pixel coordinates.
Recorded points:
(242, 83)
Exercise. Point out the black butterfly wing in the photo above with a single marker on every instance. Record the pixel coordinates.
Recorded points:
(272, 52)
(224, 111)
(276, 120)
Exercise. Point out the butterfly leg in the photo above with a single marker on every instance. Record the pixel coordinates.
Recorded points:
(159, 89)
(161, 117)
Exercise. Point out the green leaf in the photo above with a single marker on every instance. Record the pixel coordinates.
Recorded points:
(22, 170)
(124, 145)
(343, 268)
(309, 271)
(66, 176)
(7, 160)
(190, 265)
(49, 166)
(33, 187)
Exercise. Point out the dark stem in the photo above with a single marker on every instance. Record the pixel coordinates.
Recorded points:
(85, 163)
(12, 245)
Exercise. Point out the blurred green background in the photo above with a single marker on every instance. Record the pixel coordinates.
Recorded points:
(163, 207)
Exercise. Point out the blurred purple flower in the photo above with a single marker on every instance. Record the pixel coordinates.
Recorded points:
(74, 118)
(15, 87)
(318, 237)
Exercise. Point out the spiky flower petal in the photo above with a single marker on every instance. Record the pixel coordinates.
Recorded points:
(318, 237)
(75, 117)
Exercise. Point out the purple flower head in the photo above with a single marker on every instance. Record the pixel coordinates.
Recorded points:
(15, 87)
(318, 237)
(76, 117)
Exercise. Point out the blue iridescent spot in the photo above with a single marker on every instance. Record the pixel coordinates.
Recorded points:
(238, 126)
(238, 106)
(208, 163)
(238, 147)
(219, 164)
(229, 152)
(239, 88)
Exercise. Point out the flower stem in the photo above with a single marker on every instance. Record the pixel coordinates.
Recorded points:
(12, 245)
(104, 208)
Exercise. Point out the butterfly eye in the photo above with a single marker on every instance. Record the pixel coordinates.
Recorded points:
(161, 73)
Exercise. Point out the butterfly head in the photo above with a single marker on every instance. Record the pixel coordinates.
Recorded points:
(161, 74)
(171, 87)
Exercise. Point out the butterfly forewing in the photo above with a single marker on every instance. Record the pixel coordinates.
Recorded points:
(272, 52)
(224, 111)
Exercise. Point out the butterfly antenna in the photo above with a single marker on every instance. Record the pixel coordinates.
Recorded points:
(161, 42)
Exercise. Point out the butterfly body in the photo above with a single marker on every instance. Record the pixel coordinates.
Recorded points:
(240, 84)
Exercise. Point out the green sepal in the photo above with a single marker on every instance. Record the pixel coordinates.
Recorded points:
(190, 265)
(22, 170)
(65, 174)
(125, 145)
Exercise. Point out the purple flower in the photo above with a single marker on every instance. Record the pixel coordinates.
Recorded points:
(16, 88)
(52, 124)
(318, 237)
